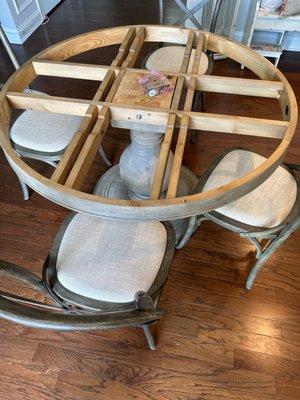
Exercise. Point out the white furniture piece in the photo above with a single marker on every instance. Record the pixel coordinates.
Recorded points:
(20, 18)
(268, 22)
(227, 16)
(47, 5)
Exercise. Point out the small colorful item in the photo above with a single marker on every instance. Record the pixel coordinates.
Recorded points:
(155, 83)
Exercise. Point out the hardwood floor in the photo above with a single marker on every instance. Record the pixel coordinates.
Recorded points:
(216, 340)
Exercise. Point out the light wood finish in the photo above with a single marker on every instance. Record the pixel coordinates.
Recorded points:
(71, 170)
(273, 85)
(199, 121)
(131, 93)
(177, 162)
(183, 69)
(163, 158)
(184, 126)
(66, 163)
(207, 83)
(124, 48)
(88, 151)
(135, 48)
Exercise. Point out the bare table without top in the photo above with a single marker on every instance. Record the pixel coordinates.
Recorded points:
(155, 190)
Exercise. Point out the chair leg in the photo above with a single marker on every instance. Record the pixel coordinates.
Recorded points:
(149, 336)
(275, 243)
(194, 223)
(104, 156)
(24, 188)
(257, 245)
(188, 233)
(52, 163)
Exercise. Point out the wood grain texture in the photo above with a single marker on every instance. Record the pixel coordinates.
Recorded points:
(216, 341)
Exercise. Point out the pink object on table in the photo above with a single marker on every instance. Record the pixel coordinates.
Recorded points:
(155, 83)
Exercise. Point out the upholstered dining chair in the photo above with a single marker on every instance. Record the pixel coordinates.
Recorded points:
(44, 136)
(271, 211)
(100, 274)
(41, 135)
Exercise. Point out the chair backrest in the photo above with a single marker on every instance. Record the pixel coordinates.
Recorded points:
(35, 314)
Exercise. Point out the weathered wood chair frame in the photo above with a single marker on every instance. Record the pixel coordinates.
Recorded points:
(275, 235)
(71, 311)
(64, 186)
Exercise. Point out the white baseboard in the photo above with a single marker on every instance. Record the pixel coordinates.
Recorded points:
(18, 36)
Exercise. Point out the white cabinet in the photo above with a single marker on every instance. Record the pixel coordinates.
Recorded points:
(270, 23)
(19, 19)
(47, 5)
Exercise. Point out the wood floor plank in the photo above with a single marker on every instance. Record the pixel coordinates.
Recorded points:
(17, 349)
(265, 363)
(27, 381)
(236, 305)
(162, 387)
(289, 388)
(130, 374)
(254, 342)
(213, 319)
(291, 332)
(212, 285)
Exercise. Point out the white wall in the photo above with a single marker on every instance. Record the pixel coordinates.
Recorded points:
(19, 19)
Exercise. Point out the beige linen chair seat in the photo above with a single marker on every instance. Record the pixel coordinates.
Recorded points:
(44, 132)
(110, 260)
(267, 216)
(266, 206)
(169, 58)
(44, 136)
(100, 274)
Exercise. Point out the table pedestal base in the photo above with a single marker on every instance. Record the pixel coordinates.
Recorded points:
(113, 186)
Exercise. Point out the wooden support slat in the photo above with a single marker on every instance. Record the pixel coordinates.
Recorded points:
(115, 86)
(187, 52)
(124, 48)
(163, 158)
(70, 70)
(198, 53)
(183, 132)
(83, 141)
(60, 105)
(207, 83)
(195, 67)
(135, 48)
(88, 151)
(68, 159)
(238, 125)
(183, 69)
(177, 161)
(122, 115)
(241, 86)
(105, 86)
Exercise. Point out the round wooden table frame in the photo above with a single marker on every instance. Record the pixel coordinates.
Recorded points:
(64, 186)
